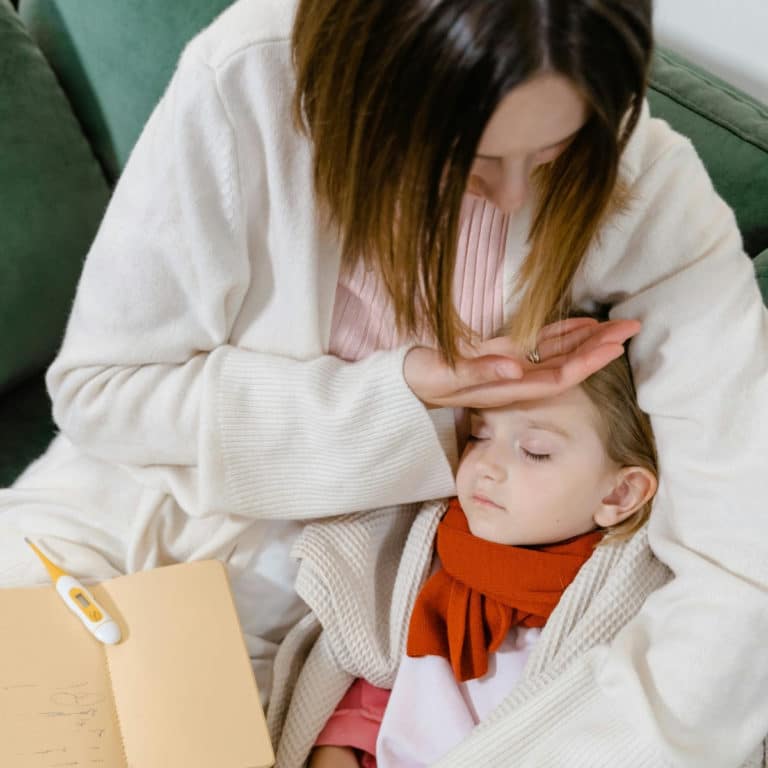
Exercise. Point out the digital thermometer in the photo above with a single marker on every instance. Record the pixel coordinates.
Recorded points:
(81, 602)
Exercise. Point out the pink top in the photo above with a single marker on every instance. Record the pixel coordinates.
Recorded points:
(356, 721)
(429, 712)
(363, 320)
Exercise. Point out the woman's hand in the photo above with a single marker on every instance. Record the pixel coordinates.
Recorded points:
(496, 373)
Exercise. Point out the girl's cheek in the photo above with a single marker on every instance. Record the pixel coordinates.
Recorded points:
(466, 466)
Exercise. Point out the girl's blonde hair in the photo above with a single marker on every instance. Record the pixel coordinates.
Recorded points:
(395, 96)
(626, 431)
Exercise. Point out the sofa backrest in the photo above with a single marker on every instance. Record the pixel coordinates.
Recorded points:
(52, 197)
(114, 59)
(730, 132)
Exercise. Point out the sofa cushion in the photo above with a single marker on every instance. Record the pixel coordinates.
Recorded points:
(52, 196)
(26, 426)
(114, 60)
(730, 132)
(761, 270)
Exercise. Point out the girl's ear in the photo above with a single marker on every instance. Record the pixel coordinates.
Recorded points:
(634, 486)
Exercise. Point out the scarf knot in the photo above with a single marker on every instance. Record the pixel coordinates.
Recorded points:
(483, 589)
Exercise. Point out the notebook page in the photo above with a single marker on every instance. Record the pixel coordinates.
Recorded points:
(182, 679)
(56, 706)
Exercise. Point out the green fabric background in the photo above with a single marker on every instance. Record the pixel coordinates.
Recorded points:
(730, 133)
(52, 197)
(26, 427)
(114, 59)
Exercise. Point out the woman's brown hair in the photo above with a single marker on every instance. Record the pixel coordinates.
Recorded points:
(395, 95)
(626, 431)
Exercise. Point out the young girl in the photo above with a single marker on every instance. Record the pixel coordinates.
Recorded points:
(540, 485)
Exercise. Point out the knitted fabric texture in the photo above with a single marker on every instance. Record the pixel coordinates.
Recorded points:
(360, 575)
(483, 589)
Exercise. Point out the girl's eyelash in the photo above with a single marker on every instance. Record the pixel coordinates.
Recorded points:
(528, 455)
(536, 456)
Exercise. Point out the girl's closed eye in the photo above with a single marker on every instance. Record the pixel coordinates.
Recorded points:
(535, 456)
(535, 450)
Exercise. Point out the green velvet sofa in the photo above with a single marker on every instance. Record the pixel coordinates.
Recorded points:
(78, 79)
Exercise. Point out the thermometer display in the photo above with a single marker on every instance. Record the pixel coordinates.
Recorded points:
(76, 597)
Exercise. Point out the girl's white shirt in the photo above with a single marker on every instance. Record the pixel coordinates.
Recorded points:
(429, 712)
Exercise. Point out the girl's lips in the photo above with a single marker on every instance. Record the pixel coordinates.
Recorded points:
(484, 501)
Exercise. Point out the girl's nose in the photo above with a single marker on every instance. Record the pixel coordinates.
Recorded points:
(492, 467)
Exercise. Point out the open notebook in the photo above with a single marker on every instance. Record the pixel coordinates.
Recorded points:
(177, 692)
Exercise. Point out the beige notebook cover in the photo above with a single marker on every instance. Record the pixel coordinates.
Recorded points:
(177, 692)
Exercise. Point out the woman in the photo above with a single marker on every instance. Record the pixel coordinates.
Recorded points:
(205, 393)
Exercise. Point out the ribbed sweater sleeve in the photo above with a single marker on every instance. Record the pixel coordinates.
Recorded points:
(199, 245)
(322, 437)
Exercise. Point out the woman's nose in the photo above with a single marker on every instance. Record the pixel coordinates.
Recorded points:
(513, 188)
(507, 186)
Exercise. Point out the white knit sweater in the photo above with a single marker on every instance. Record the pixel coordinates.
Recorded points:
(360, 575)
(195, 355)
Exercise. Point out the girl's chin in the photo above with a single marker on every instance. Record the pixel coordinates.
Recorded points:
(484, 526)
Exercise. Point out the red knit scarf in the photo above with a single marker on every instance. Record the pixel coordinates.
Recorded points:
(465, 610)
